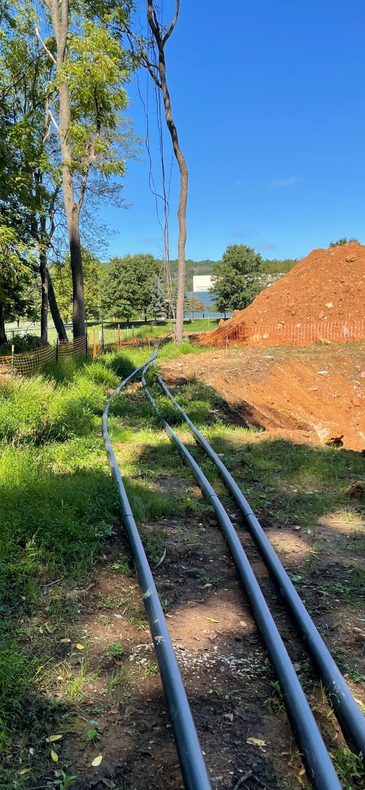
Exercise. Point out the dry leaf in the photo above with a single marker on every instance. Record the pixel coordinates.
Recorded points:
(256, 741)
(229, 716)
(80, 647)
(53, 738)
(54, 756)
(97, 760)
(211, 619)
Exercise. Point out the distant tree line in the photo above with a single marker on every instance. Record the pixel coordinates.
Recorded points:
(134, 286)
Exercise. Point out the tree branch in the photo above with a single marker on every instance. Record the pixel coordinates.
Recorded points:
(146, 61)
(49, 53)
(173, 23)
(53, 119)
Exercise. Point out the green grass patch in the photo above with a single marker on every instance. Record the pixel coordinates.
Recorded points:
(58, 507)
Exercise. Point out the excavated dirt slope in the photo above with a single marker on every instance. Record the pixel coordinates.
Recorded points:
(327, 285)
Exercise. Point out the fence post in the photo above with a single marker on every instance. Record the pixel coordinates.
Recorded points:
(132, 330)
(57, 342)
(86, 344)
(118, 336)
(12, 362)
(94, 347)
(102, 333)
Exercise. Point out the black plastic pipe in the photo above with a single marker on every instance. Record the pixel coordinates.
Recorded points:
(347, 710)
(317, 762)
(190, 756)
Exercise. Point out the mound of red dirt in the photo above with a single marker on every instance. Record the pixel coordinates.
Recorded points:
(327, 285)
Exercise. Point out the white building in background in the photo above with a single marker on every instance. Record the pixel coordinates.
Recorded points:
(202, 283)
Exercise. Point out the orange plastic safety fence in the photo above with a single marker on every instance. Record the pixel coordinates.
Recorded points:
(32, 362)
(326, 332)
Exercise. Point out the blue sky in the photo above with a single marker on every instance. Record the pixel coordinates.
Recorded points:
(268, 98)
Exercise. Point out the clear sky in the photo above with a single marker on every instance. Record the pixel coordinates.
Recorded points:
(268, 98)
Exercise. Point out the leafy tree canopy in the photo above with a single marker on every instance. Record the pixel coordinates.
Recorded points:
(235, 278)
(62, 282)
(196, 305)
(126, 285)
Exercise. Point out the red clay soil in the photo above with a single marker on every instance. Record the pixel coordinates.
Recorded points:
(327, 285)
(314, 394)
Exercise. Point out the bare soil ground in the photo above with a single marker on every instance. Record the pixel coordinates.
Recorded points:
(305, 397)
(312, 393)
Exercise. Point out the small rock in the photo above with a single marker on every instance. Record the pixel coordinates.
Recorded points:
(356, 630)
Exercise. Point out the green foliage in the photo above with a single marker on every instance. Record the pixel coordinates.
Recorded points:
(62, 282)
(350, 766)
(341, 242)
(21, 343)
(157, 305)
(195, 305)
(95, 70)
(126, 285)
(15, 272)
(278, 267)
(36, 410)
(235, 278)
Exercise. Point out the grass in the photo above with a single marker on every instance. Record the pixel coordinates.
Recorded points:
(133, 329)
(59, 511)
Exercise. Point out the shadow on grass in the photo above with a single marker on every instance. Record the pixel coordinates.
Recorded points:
(55, 519)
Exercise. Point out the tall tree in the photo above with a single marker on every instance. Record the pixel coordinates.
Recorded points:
(157, 70)
(90, 68)
(158, 302)
(29, 179)
(235, 278)
(126, 285)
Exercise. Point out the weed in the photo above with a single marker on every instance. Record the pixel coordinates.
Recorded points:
(115, 651)
(350, 767)
(154, 543)
(275, 703)
(151, 669)
(64, 781)
(121, 566)
(119, 678)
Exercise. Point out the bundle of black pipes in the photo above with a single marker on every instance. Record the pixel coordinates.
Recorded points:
(188, 748)
(317, 762)
(316, 759)
(347, 710)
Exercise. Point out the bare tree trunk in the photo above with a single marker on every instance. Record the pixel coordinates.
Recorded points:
(57, 320)
(44, 281)
(78, 305)
(161, 40)
(60, 20)
(3, 337)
